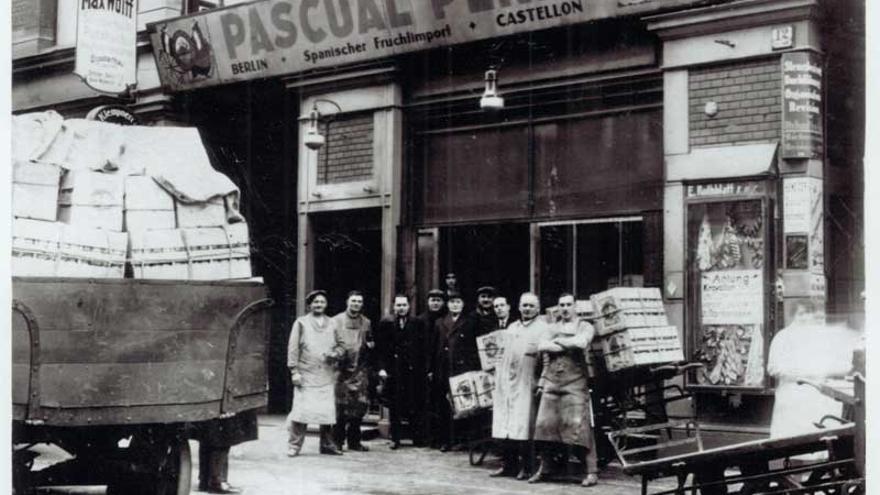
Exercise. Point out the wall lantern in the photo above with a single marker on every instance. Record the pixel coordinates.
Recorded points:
(490, 99)
(313, 138)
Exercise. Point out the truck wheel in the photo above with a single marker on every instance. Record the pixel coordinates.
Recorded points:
(170, 472)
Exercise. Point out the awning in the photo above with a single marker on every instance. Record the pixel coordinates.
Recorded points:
(723, 162)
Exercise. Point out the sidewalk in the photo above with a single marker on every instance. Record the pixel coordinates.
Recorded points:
(262, 467)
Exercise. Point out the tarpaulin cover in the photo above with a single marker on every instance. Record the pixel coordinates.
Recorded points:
(174, 156)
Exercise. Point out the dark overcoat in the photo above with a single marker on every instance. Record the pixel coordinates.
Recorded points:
(404, 353)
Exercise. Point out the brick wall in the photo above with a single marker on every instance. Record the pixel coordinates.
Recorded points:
(348, 154)
(748, 95)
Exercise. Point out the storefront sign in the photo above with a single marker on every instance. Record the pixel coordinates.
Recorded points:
(801, 105)
(732, 297)
(274, 37)
(725, 189)
(106, 44)
(113, 114)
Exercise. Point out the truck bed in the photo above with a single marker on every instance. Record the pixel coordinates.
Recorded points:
(113, 352)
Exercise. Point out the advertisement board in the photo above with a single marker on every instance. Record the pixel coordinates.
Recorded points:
(106, 44)
(801, 105)
(274, 37)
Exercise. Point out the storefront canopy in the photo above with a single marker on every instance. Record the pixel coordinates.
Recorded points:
(723, 162)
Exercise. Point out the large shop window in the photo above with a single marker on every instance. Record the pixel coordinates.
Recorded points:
(496, 255)
(602, 165)
(728, 296)
(586, 258)
(476, 175)
(599, 166)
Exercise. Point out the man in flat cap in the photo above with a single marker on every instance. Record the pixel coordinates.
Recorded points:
(464, 356)
(314, 349)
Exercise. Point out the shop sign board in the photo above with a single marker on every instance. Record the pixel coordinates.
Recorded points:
(113, 114)
(732, 297)
(274, 37)
(726, 189)
(801, 105)
(106, 44)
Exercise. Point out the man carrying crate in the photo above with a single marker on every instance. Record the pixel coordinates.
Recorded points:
(563, 420)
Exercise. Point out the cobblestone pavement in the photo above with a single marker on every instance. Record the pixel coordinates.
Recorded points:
(262, 467)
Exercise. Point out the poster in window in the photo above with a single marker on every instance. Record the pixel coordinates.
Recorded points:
(727, 252)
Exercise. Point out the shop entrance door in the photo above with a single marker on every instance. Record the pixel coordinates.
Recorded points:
(348, 256)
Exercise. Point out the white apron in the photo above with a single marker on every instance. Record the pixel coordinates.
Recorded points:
(513, 406)
(314, 401)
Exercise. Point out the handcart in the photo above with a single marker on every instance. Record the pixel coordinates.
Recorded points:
(633, 396)
(675, 450)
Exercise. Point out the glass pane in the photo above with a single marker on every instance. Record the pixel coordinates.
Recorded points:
(598, 258)
(496, 255)
(480, 175)
(556, 262)
(582, 169)
(726, 258)
(632, 242)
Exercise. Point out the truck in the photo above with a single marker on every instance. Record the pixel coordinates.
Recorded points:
(119, 373)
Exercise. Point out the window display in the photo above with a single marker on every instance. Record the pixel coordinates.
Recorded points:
(727, 256)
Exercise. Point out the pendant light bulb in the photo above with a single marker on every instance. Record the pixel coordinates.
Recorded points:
(490, 99)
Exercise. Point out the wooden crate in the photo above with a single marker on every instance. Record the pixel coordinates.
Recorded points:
(634, 347)
(35, 190)
(491, 348)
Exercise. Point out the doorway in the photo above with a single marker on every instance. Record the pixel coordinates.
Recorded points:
(348, 256)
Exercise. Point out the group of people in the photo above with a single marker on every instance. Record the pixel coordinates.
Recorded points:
(541, 401)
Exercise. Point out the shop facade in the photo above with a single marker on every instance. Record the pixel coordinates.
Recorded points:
(708, 148)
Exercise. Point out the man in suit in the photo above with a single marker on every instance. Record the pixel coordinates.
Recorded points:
(440, 371)
(502, 312)
(403, 360)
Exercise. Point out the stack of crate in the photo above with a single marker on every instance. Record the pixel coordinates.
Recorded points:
(78, 212)
(632, 329)
(45, 242)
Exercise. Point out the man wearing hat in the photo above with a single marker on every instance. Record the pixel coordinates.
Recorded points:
(314, 349)
(463, 353)
(452, 322)
(463, 343)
